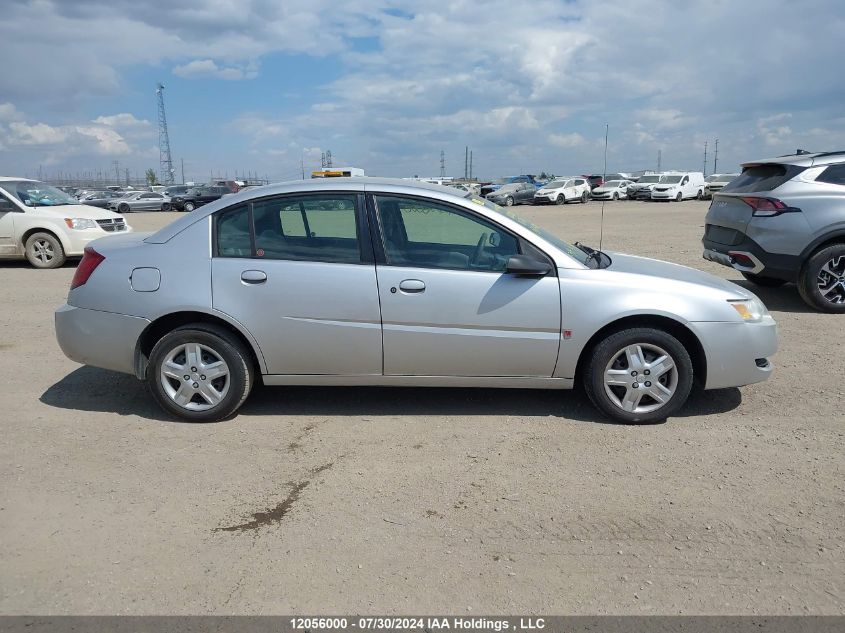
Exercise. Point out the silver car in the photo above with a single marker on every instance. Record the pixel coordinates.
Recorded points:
(363, 281)
(140, 201)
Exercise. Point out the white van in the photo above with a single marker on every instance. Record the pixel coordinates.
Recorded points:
(682, 185)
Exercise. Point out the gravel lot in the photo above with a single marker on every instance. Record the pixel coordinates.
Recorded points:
(350, 500)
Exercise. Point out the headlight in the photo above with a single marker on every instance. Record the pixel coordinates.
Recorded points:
(751, 310)
(80, 223)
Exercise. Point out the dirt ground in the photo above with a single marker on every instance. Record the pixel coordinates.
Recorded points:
(350, 500)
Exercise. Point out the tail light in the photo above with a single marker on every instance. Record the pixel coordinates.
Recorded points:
(767, 207)
(90, 260)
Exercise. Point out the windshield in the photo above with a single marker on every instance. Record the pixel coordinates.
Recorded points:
(671, 180)
(506, 188)
(554, 184)
(574, 252)
(37, 194)
(613, 183)
(649, 179)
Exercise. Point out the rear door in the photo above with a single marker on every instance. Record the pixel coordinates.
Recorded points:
(298, 273)
(448, 307)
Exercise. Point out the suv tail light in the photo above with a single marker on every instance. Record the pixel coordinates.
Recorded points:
(767, 207)
(90, 260)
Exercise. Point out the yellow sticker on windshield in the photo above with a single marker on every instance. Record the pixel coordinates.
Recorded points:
(478, 201)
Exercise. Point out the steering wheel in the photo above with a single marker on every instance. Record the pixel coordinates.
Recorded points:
(479, 248)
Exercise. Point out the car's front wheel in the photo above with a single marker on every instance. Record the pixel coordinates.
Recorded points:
(583, 197)
(615, 196)
(200, 373)
(822, 280)
(679, 197)
(639, 375)
(44, 250)
(123, 208)
(561, 198)
(508, 201)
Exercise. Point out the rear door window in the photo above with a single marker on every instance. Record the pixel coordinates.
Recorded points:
(766, 177)
(835, 175)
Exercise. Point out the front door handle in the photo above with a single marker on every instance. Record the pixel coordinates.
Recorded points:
(412, 286)
(253, 276)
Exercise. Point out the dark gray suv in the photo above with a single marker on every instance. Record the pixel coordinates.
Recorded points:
(783, 220)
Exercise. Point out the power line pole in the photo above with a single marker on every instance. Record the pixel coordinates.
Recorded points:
(659, 159)
(183, 170)
(302, 166)
(165, 162)
(716, 156)
(442, 164)
(705, 158)
(329, 158)
(470, 164)
(466, 162)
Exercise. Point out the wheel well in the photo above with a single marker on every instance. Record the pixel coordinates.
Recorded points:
(678, 330)
(161, 326)
(27, 234)
(830, 241)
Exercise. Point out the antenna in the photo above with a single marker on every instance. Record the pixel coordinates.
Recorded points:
(603, 177)
(716, 157)
(164, 159)
(442, 164)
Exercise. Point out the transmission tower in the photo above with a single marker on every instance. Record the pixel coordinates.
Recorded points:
(165, 162)
(442, 164)
(329, 158)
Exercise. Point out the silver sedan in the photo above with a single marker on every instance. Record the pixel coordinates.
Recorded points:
(140, 201)
(367, 281)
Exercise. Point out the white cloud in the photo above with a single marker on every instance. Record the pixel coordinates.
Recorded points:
(207, 68)
(567, 140)
(773, 129)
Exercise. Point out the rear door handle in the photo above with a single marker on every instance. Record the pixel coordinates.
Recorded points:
(253, 276)
(412, 286)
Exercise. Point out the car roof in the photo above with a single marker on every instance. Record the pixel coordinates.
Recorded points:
(14, 179)
(804, 159)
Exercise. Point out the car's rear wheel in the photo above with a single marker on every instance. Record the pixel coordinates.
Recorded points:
(822, 280)
(200, 373)
(189, 206)
(165, 206)
(700, 195)
(761, 280)
(44, 250)
(508, 201)
(123, 208)
(639, 375)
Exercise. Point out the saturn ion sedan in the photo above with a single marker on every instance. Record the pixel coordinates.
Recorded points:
(362, 281)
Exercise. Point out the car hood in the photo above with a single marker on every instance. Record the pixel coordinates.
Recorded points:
(604, 189)
(76, 211)
(661, 270)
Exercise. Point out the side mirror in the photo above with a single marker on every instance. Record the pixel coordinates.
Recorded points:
(525, 265)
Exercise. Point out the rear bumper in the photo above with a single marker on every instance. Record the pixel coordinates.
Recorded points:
(737, 353)
(747, 256)
(100, 339)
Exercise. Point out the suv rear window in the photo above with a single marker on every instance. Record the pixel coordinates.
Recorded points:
(762, 178)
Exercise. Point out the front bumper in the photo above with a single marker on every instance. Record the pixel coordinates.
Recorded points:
(100, 339)
(75, 241)
(663, 195)
(545, 199)
(737, 353)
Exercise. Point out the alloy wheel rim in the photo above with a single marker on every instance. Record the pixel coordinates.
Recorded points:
(43, 251)
(831, 280)
(195, 377)
(641, 378)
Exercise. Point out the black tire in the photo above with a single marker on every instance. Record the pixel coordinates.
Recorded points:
(679, 197)
(700, 195)
(224, 345)
(583, 197)
(615, 196)
(561, 199)
(763, 281)
(605, 351)
(808, 280)
(123, 208)
(44, 250)
(165, 206)
(189, 206)
(508, 201)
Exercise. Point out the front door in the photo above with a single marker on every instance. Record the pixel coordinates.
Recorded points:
(448, 308)
(293, 271)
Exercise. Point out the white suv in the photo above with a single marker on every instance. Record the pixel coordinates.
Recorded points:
(46, 225)
(562, 190)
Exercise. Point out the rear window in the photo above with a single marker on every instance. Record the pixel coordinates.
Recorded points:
(762, 178)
